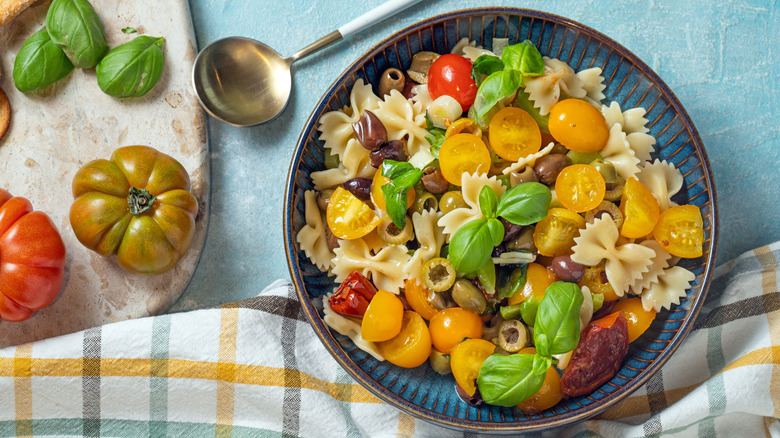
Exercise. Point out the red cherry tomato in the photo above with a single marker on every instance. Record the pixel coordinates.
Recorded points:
(353, 295)
(451, 75)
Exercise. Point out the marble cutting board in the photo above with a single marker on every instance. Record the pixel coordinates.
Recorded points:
(57, 130)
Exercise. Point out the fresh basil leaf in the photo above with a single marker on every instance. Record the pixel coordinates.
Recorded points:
(393, 169)
(496, 87)
(508, 380)
(75, 27)
(133, 68)
(528, 309)
(525, 204)
(129, 30)
(471, 246)
(511, 311)
(484, 66)
(487, 276)
(496, 231)
(542, 343)
(395, 204)
(488, 200)
(436, 139)
(408, 179)
(541, 364)
(523, 57)
(524, 103)
(515, 283)
(39, 63)
(558, 317)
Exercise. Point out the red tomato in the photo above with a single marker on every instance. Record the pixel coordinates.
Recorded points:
(32, 265)
(451, 75)
(353, 295)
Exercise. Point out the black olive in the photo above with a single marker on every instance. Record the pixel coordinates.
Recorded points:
(548, 167)
(497, 251)
(511, 231)
(433, 180)
(370, 131)
(567, 269)
(360, 187)
(474, 400)
(392, 150)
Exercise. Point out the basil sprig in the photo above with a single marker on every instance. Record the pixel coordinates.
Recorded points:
(508, 380)
(402, 177)
(516, 61)
(39, 63)
(472, 244)
(132, 69)
(435, 137)
(75, 26)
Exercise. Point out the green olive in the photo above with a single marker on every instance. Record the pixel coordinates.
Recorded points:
(524, 241)
(468, 296)
(512, 335)
(606, 207)
(331, 160)
(391, 235)
(424, 201)
(613, 181)
(583, 157)
(525, 175)
(451, 200)
(438, 274)
(440, 362)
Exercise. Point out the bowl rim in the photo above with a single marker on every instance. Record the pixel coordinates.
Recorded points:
(531, 425)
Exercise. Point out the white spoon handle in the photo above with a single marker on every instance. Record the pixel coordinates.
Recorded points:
(375, 15)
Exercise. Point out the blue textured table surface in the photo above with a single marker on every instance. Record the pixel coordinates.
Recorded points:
(719, 58)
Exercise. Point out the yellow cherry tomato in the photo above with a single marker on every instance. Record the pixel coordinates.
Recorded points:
(412, 346)
(463, 153)
(554, 235)
(548, 395)
(348, 217)
(595, 278)
(578, 125)
(640, 210)
(452, 325)
(537, 280)
(514, 134)
(580, 187)
(383, 317)
(378, 197)
(680, 231)
(466, 359)
(417, 296)
(637, 317)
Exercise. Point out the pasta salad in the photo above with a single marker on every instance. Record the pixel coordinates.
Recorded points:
(485, 213)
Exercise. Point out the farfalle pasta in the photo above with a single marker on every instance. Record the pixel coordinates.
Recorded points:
(558, 78)
(471, 185)
(663, 180)
(312, 237)
(670, 286)
(430, 237)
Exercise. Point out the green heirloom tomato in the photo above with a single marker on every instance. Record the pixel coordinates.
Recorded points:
(137, 206)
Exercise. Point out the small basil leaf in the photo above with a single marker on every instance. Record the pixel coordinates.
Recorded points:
(528, 309)
(523, 57)
(129, 30)
(132, 69)
(392, 169)
(525, 204)
(395, 204)
(541, 342)
(487, 276)
(471, 246)
(484, 66)
(515, 283)
(541, 364)
(511, 311)
(39, 63)
(75, 26)
(496, 87)
(488, 200)
(496, 231)
(508, 380)
(436, 139)
(408, 179)
(558, 317)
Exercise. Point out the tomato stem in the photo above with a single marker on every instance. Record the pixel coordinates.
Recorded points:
(140, 201)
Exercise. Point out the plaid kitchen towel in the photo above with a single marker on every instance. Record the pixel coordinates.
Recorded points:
(255, 368)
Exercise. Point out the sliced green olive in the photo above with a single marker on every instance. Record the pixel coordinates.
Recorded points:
(605, 207)
(613, 181)
(512, 335)
(438, 274)
(440, 362)
(391, 235)
(468, 296)
(451, 200)
(424, 201)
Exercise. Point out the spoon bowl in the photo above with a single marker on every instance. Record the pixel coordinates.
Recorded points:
(242, 82)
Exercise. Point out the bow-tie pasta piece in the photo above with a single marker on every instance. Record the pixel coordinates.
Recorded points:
(663, 180)
(668, 290)
(312, 237)
(384, 268)
(545, 90)
(471, 185)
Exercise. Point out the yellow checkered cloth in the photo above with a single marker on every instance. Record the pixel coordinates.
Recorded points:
(256, 368)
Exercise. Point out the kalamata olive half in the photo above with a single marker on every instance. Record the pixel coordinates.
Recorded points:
(511, 231)
(392, 79)
(370, 131)
(360, 187)
(434, 181)
(567, 269)
(392, 150)
(548, 167)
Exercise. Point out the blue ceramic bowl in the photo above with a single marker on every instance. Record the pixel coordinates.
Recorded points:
(421, 392)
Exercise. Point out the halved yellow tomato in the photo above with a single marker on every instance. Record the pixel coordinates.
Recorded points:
(452, 325)
(548, 395)
(417, 296)
(537, 280)
(463, 153)
(637, 317)
(554, 235)
(348, 217)
(378, 197)
(466, 359)
(578, 125)
(640, 210)
(580, 187)
(383, 317)
(680, 231)
(411, 346)
(595, 278)
(514, 134)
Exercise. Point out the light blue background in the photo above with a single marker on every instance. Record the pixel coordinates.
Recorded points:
(719, 58)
